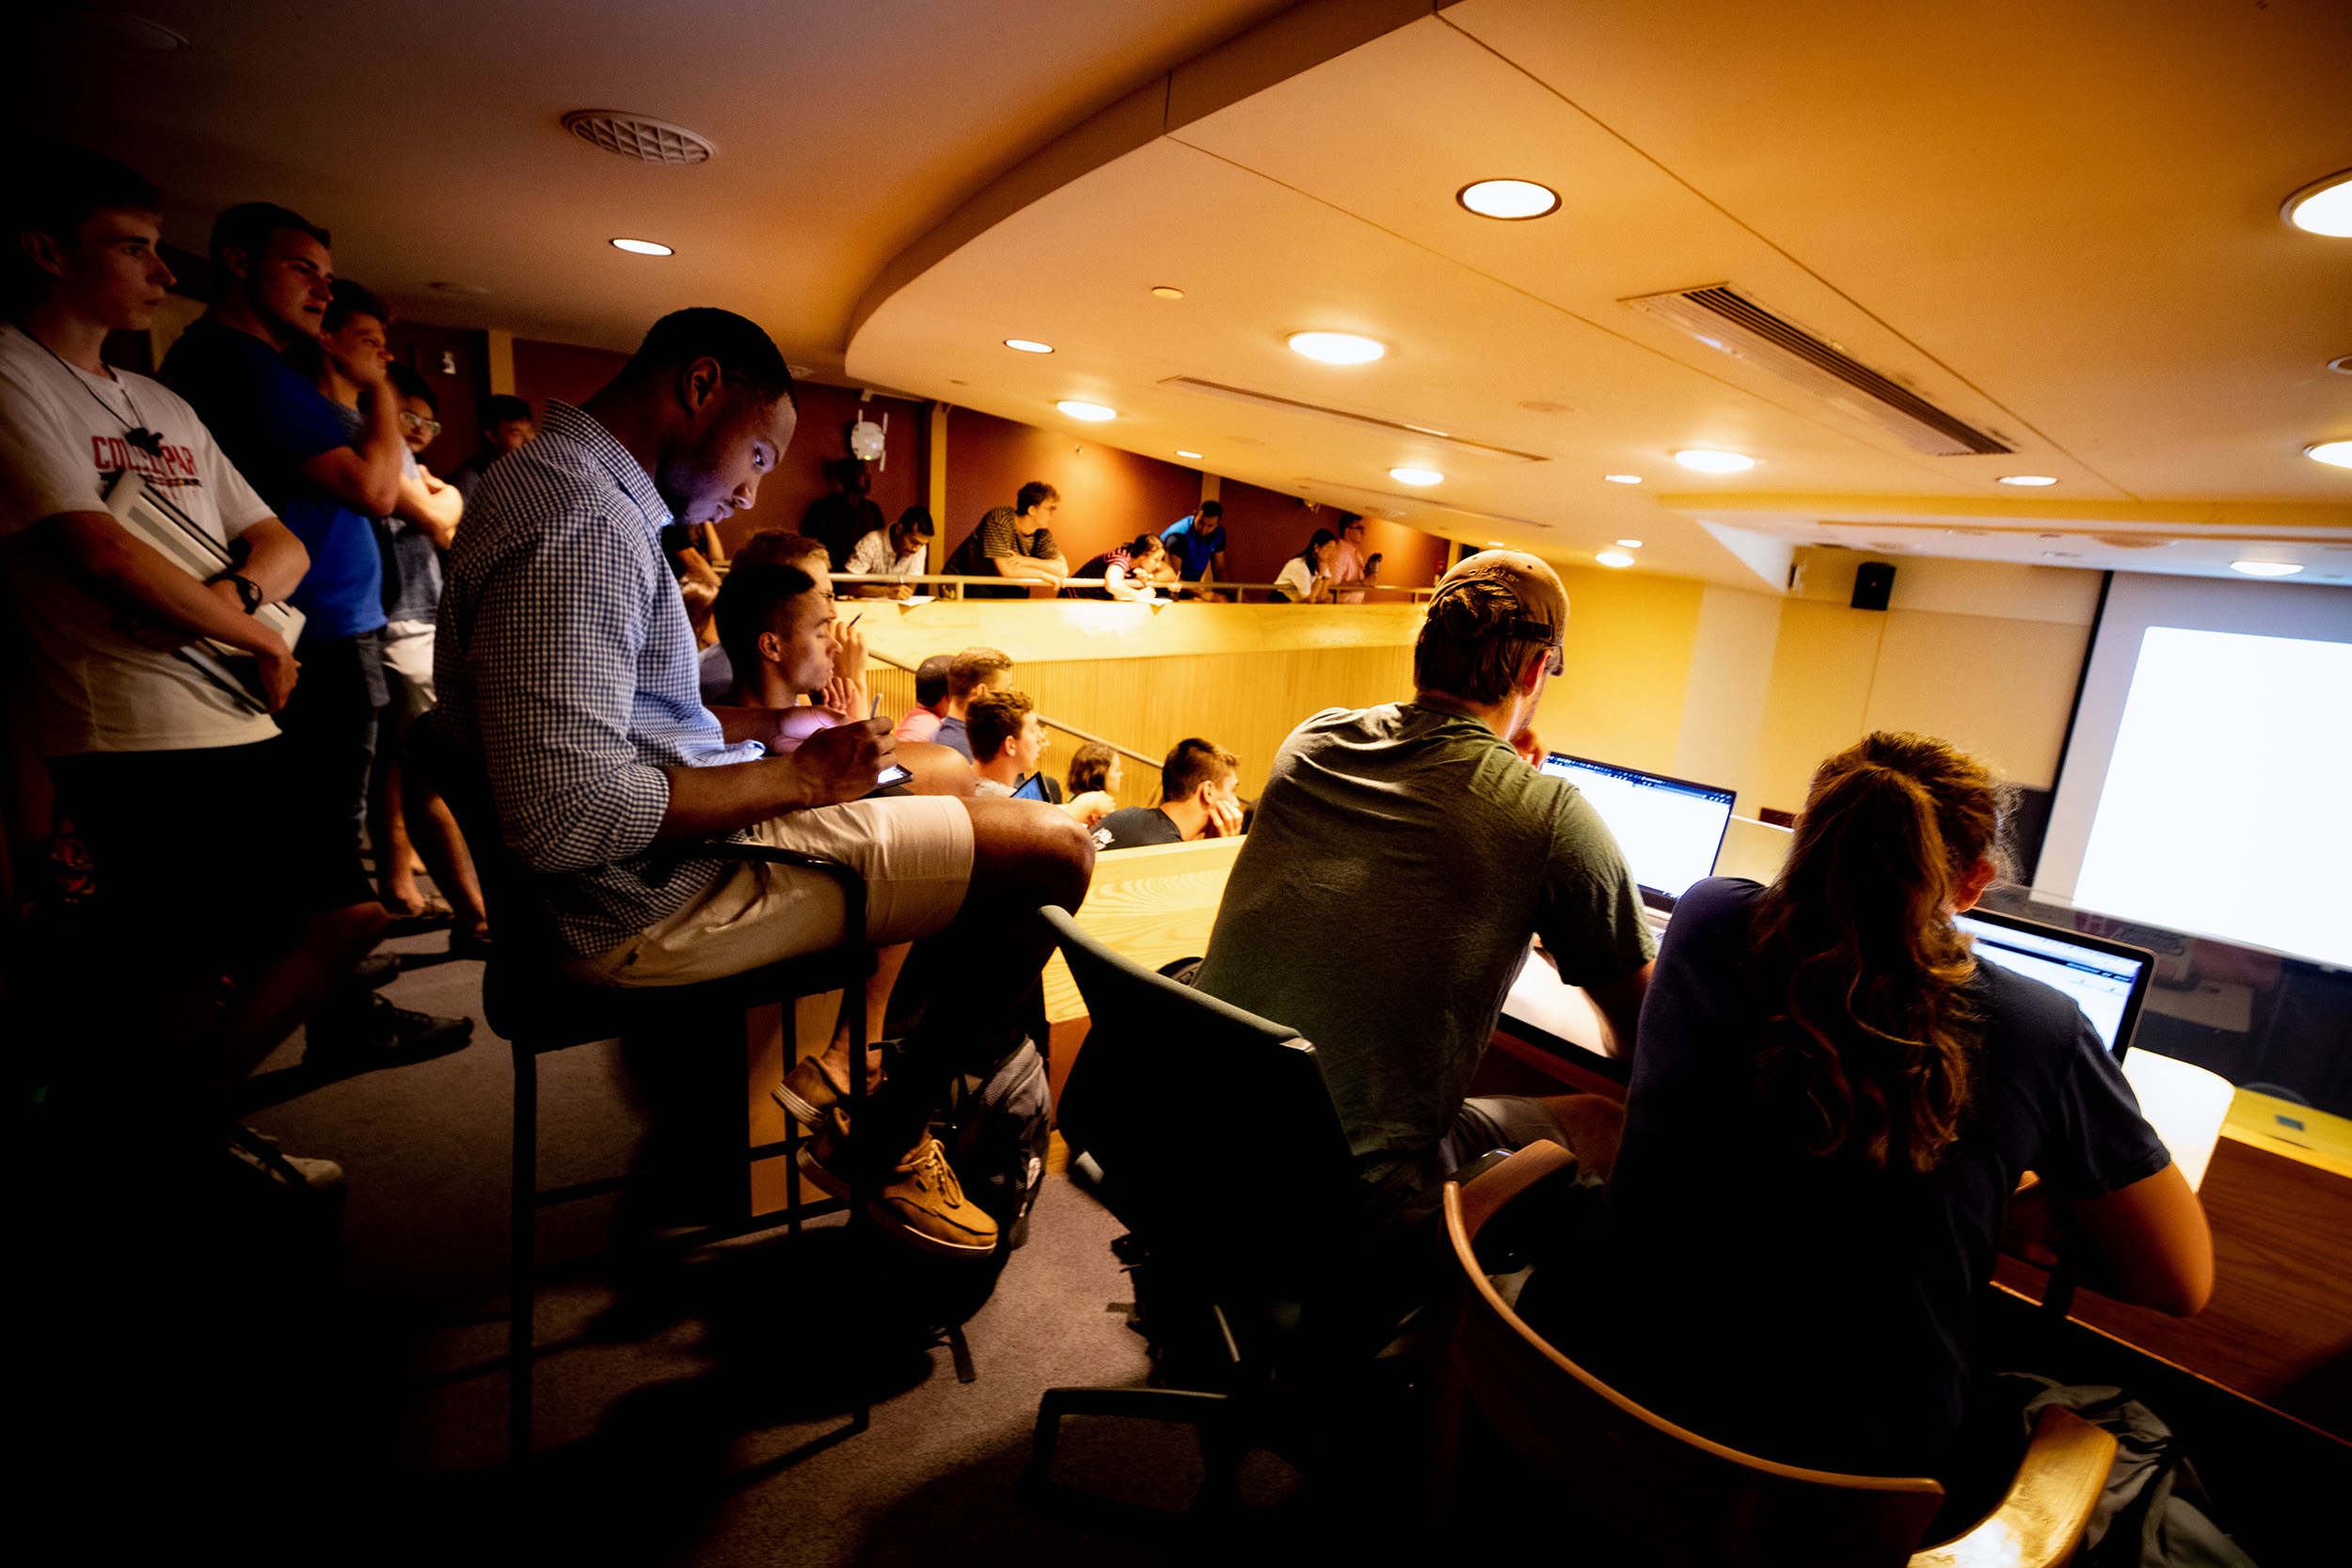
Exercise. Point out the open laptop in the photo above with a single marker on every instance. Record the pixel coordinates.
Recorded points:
(2107, 980)
(1670, 829)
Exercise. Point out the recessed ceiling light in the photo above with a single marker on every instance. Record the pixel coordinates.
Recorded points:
(1029, 345)
(1092, 411)
(1715, 461)
(2338, 453)
(1630, 544)
(1496, 544)
(1164, 292)
(642, 247)
(2265, 568)
(1183, 453)
(1623, 479)
(1613, 558)
(1336, 348)
(1509, 198)
(1415, 476)
(2028, 478)
(2323, 207)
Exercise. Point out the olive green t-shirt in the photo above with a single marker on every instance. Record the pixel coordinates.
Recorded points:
(1381, 906)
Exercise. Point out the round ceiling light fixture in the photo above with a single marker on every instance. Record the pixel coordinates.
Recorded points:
(2335, 454)
(1614, 557)
(2322, 207)
(1623, 479)
(1337, 348)
(1194, 456)
(1164, 292)
(1091, 412)
(1512, 200)
(1415, 476)
(2265, 568)
(2028, 480)
(1029, 345)
(1709, 462)
(643, 247)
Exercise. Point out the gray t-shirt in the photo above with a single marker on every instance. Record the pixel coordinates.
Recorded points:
(1382, 904)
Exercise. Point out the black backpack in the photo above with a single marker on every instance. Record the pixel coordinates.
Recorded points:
(998, 1136)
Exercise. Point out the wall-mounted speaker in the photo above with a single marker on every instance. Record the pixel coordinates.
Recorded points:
(1873, 581)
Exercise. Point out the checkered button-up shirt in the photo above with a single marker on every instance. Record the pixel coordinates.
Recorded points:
(565, 664)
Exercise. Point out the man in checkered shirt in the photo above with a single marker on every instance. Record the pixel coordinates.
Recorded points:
(567, 669)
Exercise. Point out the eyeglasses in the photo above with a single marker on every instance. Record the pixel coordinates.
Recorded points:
(411, 421)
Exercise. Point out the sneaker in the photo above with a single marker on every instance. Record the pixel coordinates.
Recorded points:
(261, 1152)
(810, 1093)
(924, 1206)
(377, 971)
(380, 1030)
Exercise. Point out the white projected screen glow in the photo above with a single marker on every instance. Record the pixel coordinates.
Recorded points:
(1670, 831)
(2223, 811)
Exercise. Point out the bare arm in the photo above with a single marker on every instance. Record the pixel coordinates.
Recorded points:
(1031, 568)
(2152, 1239)
(433, 506)
(1619, 1004)
(834, 764)
(130, 573)
(276, 562)
(365, 475)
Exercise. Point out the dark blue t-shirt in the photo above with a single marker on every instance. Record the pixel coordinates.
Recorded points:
(1808, 1309)
(954, 734)
(1193, 550)
(270, 421)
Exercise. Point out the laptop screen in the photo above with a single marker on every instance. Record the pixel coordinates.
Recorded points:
(1670, 829)
(2106, 979)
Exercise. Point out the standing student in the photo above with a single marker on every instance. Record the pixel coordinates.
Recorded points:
(1350, 564)
(1196, 545)
(1831, 1109)
(1014, 542)
(173, 783)
(846, 515)
(506, 424)
(1127, 573)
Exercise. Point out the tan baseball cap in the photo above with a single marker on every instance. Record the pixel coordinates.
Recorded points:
(1543, 603)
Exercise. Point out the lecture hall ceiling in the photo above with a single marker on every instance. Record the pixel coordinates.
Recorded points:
(2058, 224)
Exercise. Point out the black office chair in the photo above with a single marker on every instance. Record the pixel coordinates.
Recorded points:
(1249, 1234)
(531, 1004)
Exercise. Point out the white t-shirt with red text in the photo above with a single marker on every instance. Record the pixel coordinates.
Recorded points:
(61, 445)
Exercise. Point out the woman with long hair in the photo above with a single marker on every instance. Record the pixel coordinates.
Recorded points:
(1305, 578)
(1832, 1107)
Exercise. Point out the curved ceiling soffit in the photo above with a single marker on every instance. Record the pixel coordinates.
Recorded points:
(1275, 50)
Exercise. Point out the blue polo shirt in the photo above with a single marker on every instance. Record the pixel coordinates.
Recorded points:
(270, 421)
(1194, 549)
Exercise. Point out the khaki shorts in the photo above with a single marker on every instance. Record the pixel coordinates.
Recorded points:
(914, 852)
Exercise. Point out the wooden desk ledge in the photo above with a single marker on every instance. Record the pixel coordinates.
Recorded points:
(1153, 905)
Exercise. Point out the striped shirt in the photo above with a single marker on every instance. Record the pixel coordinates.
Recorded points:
(564, 662)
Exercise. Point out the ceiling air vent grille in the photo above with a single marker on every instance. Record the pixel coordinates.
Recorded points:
(648, 141)
(1268, 399)
(1728, 321)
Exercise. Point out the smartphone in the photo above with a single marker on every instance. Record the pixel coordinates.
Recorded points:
(895, 773)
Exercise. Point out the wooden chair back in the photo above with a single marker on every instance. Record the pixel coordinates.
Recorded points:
(1698, 1502)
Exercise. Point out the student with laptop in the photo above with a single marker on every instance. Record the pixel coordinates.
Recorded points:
(1398, 861)
(1831, 1114)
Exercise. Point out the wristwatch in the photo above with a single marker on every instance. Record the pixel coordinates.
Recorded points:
(248, 592)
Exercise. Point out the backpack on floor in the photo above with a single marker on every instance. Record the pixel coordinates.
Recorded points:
(998, 1139)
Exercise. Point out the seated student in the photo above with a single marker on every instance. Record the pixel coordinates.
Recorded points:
(1092, 781)
(1305, 578)
(930, 695)
(898, 551)
(773, 547)
(1127, 572)
(1832, 1107)
(1400, 859)
(1196, 802)
(506, 424)
(566, 674)
(969, 673)
(1006, 740)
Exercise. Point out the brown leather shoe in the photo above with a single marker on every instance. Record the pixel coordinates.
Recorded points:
(924, 1206)
(809, 1092)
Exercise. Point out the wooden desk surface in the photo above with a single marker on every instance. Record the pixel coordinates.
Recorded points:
(1153, 905)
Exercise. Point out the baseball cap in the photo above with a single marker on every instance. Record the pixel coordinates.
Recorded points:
(1535, 586)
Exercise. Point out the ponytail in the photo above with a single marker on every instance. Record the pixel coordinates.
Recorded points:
(1871, 1033)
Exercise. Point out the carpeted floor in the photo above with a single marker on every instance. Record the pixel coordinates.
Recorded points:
(693, 1418)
